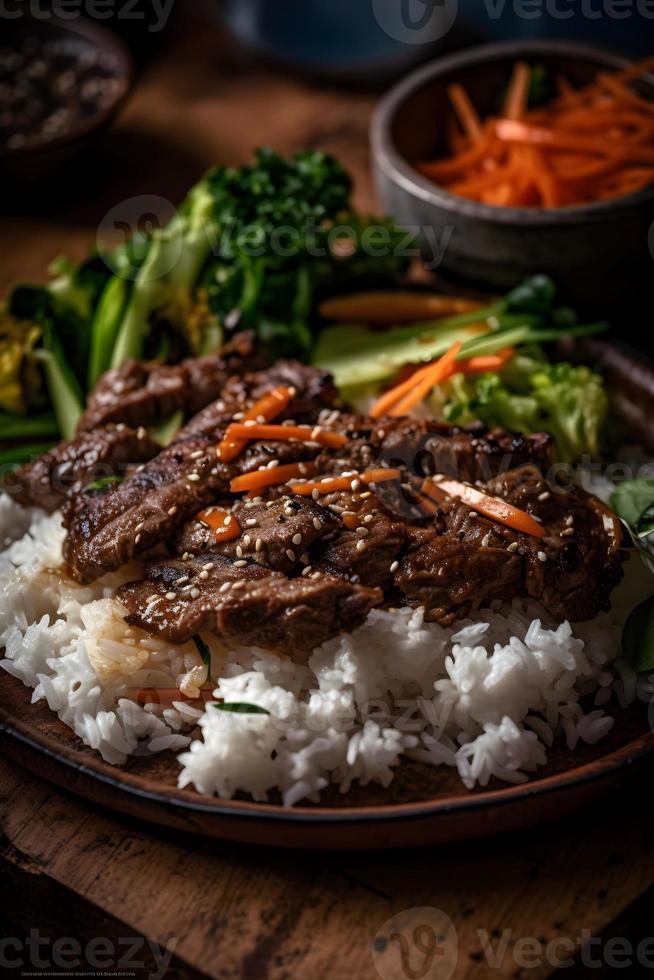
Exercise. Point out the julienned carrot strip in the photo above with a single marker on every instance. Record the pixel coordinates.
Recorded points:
(495, 508)
(585, 145)
(393, 307)
(465, 111)
(489, 362)
(268, 407)
(439, 371)
(334, 483)
(224, 525)
(259, 479)
(238, 431)
(518, 93)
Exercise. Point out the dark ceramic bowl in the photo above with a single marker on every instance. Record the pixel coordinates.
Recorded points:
(39, 161)
(599, 254)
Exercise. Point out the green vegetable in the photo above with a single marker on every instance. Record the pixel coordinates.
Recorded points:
(165, 432)
(203, 650)
(531, 395)
(40, 426)
(11, 458)
(104, 482)
(239, 707)
(633, 502)
(638, 637)
(360, 355)
(105, 326)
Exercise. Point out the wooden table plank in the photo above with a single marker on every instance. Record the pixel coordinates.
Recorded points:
(228, 910)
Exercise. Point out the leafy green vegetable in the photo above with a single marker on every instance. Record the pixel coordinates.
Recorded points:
(531, 395)
(638, 637)
(105, 326)
(165, 432)
(360, 355)
(40, 426)
(11, 458)
(633, 502)
(104, 482)
(203, 650)
(240, 708)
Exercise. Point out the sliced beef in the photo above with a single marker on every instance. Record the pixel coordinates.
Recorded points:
(277, 535)
(143, 394)
(72, 465)
(246, 604)
(575, 567)
(427, 448)
(451, 577)
(106, 529)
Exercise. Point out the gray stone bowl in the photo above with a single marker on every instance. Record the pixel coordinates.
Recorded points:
(601, 255)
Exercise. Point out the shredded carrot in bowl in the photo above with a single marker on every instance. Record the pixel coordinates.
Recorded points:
(585, 145)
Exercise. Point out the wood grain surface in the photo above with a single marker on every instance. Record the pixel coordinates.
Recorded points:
(71, 868)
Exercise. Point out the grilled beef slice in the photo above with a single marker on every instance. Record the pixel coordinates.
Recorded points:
(106, 529)
(143, 394)
(49, 480)
(277, 535)
(245, 603)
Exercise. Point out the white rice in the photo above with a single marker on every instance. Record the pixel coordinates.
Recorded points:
(487, 697)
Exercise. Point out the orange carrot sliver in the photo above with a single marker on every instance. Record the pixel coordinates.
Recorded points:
(267, 407)
(332, 484)
(516, 99)
(489, 362)
(465, 111)
(259, 479)
(217, 520)
(436, 372)
(242, 432)
(495, 508)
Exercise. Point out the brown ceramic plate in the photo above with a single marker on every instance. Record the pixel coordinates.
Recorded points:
(423, 805)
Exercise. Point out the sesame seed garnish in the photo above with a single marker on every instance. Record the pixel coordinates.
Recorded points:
(297, 539)
(182, 580)
(355, 484)
(172, 511)
(193, 477)
(568, 532)
(137, 539)
(315, 494)
(542, 556)
(208, 566)
(306, 570)
(315, 575)
(290, 554)
(246, 540)
(251, 522)
(302, 468)
(218, 453)
(368, 518)
(364, 496)
(239, 551)
(545, 495)
(225, 587)
(249, 423)
(363, 532)
(197, 454)
(486, 540)
(272, 464)
(240, 564)
(513, 547)
(394, 566)
(204, 575)
(258, 544)
(473, 514)
(228, 520)
(361, 545)
(337, 509)
(194, 593)
(569, 521)
(170, 596)
(317, 523)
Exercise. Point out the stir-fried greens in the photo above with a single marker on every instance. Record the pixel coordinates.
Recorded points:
(250, 247)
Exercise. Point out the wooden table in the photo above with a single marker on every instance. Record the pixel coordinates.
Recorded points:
(70, 869)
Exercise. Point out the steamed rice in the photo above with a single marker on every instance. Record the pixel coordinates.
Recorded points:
(487, 697)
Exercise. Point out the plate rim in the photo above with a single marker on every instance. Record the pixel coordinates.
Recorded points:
(604, 768)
